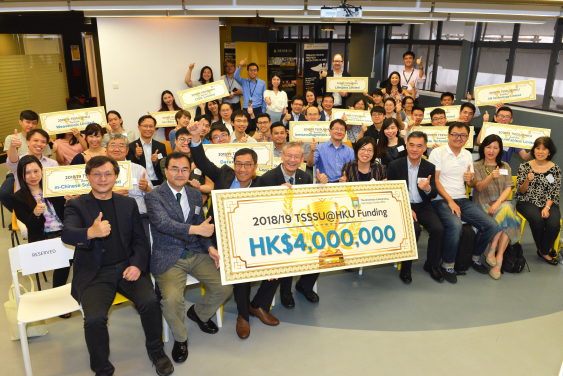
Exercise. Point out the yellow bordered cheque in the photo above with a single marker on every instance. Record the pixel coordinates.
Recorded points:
(168, 118)
(514, 135)
(204, 93)
(63, 121)
(347, 84)
(223, 154)
(439, 135)
(275, 232)
(72, 180)
(355, 117)
(508, 92)
(452, 113)
(307, 130)
(277, 161)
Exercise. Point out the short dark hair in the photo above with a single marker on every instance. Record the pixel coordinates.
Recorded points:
(223, 103)
(99, 161)
(218, 127)
(178, 115)
(246, 151)
(436, 111)
(275, 125)
(264, 114)
(40, 131)
(467, 104)
(504, 108)
(363, 142)
(239, 113)
(405, 99)
(418, 134)
(298, 98)
(230, 61)
(407, 54)
(486, 142)
(200, 117)
(251, 65)
(175, 155)
(327, 95)
(549, 145)
(144, 117)
(458, 124)
(377, 92)
(29, 115)
(418, 107)
(378, 109)
(447, 94)
(358, 100)
(337, 121)
(92, 129)
(182, 131)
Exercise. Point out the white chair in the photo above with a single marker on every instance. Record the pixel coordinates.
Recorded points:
(39, 305)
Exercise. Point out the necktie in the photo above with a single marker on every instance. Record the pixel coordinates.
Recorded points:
(179, 198)
(291, 180)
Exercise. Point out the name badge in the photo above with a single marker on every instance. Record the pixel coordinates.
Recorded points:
(134, 181)
(503, 171)
(405, 87)
(197, 210)
(419, 179)
(506, 148)
(550, 178)
(197, 171)
(160, 156)
(400, 148)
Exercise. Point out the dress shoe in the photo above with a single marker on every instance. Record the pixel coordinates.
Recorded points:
(448, 274)
(266, 317)
(287, 300)
(405, 276)
(180, 351)
(161, 363)
(434, 272)
(311, 296)
(243, 328)
(550, 262)
(207, 327)
(479, 267)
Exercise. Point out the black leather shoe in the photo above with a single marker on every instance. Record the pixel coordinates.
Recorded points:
(448, 274)
(550, 262)
(434, 272)
(405, 276)
(207, 327)
(162, 363)
(479, 267)
(287, 300)
(311, 296)
(180, 351)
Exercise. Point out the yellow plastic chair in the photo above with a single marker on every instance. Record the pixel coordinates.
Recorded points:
(168, 147)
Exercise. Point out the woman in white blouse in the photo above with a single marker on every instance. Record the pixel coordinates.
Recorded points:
(276, 99)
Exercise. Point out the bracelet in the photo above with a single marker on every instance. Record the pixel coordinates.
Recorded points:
(548, 207)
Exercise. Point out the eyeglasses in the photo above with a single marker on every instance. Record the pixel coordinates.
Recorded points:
(246, 166)
(338, 130)
(296, 157)
(363, 150)
(98, 175)
(120, 147)
(241, 121)
(263, 123)
(504, 117)
(457, 135)
(183, 171)
(221, 137)
(439, 118)
(185, 139)
(377, 114)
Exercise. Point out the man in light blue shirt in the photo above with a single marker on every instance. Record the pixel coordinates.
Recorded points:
(253, 90)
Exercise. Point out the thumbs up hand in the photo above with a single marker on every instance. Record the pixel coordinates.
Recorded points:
(205, 229)
(99, 229)
(154, 157)
(424, 184)
(419, 60)
(195, 183)
(468, 175)
(321, 178)
(143, 182)
(469, 97)
(313, 145)
(287, 116)
(495, 174)
(39, 208)
(16, 142)
(531, 175)
(138, 151)
(323, 73)
(342, 178)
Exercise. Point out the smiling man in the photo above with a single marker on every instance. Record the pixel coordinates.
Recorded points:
(337, 71)
(147, 152)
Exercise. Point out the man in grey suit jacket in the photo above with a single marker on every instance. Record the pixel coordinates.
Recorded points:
(181, 246)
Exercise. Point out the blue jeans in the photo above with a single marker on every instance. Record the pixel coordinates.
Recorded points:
(472, 214)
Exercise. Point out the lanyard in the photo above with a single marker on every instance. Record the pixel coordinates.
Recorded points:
(409, 76)
(252, 94)
(230, 83)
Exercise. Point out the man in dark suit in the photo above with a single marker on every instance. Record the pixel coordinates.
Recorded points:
(242, 176)
(148, 152)
(296, 111)
(112, 255)
(288, 173)
(320, 82)
(420, 176)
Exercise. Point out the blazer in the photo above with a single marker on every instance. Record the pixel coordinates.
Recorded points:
(142, 161)
(170, 233)
(80, 214)
(350, 170)
(35, 225)
(301, 118)
(320, 85)
(398, 170)
(275, 177)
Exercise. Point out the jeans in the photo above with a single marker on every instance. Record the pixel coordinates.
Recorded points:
(472, 214)
(96, 302)
(544, 230)
(6, 189)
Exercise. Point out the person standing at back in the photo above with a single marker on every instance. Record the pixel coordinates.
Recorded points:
(337, 71)
(253, 90)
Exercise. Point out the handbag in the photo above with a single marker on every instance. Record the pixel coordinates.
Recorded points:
(34, 329)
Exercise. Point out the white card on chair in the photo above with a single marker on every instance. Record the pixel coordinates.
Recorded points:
(44, 255)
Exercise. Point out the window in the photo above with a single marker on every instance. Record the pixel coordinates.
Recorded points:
(453, 30)
(557, 95)
(543, 33)
(493, 32)
(294, 32)
(426, 31)
(396, 52)
(448, 69)
(339, 32)
(532, 64)
(491, 66)
(427, 53)
(400, 32)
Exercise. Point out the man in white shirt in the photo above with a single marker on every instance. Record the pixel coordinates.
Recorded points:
(225, 111)
(233, 86)
(320, 82)
(454, 169)
(412, 77)
(240, 120)
(327, 104)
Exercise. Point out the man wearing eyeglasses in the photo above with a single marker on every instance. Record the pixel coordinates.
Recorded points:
(252, 90)
(225, 110)
(147, 152)
(377, 116)
(112, 255)
(337, 71)
(263, 133)
(240, 121)
(295, 114)
(454, 169)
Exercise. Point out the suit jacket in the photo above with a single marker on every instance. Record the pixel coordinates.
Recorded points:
(35, 225)
(170, 233)
(80, 214)
(275, 177)
(398, 170)
(142, 161)
(320, 85)
(301, 118)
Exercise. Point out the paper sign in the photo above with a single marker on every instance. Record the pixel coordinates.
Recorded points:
(44, 255)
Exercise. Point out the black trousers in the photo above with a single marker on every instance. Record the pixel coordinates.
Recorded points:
(306, 280)
(428, 218)
(262, 299)
(544, 230)
(96, 301)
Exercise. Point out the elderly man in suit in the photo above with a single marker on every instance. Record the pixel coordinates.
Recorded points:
(148, 152)
(112, 255)
(182, 246)
(420, 176)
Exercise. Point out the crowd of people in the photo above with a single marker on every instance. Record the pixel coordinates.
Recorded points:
(111, 229)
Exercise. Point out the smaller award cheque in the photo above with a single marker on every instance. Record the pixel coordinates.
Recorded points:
(72, 180)
(307, 130)
(514, 135)
(439, 135)
(63, 121)
(167, 118)
(355, 117)
(204, 93)
(223, 154)
(506, 93)
(347, 84)
(452, 113)
(274, 232)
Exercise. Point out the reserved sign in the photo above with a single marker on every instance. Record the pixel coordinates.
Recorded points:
(439, 135)
(514, 135)
(63, 121)
(452, 113)
(347, 84)
(506, 93)
(224, 154)
(355, 117)
(44, 255)
(204, 93)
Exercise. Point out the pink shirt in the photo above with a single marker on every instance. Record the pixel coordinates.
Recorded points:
(68, 151)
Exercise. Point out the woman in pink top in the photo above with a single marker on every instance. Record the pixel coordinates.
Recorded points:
(68, 145)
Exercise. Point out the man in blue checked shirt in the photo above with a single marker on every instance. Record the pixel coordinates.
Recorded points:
(252, 91)
(331, 155)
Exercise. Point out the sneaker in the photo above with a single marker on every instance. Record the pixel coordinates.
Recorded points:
(448, 274)
(480, 268)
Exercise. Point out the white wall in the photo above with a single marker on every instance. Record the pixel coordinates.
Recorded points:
(149, 55)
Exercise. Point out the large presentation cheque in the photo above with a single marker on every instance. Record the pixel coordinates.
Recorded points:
(514, 135)
(72, 180)
(347, 84)
(168, 118)
(63, 121)
(355, 117)
(204, 93)
(272, 232)
(439, 135)
(505, 93)
(452, 113)
(223, 154)
(307, 130)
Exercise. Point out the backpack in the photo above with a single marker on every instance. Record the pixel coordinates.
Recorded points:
(513, 260)
(464, 254)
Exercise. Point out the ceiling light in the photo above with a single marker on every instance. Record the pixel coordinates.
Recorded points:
(498, 9)
(33, 6)
(126, 5)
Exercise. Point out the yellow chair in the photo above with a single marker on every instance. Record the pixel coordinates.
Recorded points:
(349, 143)
(119, 299)
(168, 147)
